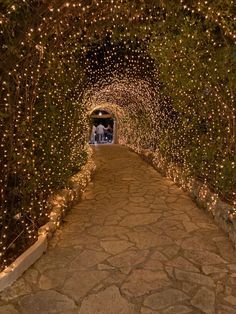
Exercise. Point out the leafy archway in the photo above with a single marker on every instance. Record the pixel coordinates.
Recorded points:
(169, 66)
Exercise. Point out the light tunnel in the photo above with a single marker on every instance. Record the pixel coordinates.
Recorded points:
(164, 69)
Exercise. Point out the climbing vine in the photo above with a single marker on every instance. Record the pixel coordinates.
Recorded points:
(169, 65)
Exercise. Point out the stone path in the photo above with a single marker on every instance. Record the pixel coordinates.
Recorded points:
(135, 244)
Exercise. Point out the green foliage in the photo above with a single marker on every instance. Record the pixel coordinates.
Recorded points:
(43, 120)
(197, 65)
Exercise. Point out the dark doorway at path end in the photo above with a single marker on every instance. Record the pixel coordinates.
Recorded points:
(102, 127)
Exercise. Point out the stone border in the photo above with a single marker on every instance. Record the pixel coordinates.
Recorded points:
(223, 213)
(59, 202)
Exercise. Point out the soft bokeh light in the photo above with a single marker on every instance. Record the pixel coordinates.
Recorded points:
(165, 69)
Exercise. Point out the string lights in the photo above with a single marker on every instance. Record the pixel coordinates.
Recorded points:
(165, 69)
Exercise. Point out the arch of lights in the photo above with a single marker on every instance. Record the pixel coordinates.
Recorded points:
(165, 68)
(114, 110)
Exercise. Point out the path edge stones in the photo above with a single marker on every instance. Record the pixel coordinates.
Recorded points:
(60, 203)
(223, 213)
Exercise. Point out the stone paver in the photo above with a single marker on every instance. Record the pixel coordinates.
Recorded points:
(204, 300)
(8, 309)
(136, 243)
(108, 301)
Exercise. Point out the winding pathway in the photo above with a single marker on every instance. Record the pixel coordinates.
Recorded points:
(135, 244)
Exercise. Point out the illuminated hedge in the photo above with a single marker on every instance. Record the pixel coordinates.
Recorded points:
(166, 68)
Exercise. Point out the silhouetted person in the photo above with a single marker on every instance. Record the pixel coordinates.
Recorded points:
(109, 133)
(93, 134)
(100, 132)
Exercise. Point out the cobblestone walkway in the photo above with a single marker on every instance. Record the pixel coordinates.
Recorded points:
(135, 244)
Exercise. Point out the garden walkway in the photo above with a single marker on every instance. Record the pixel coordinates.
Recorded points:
(135, 244)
